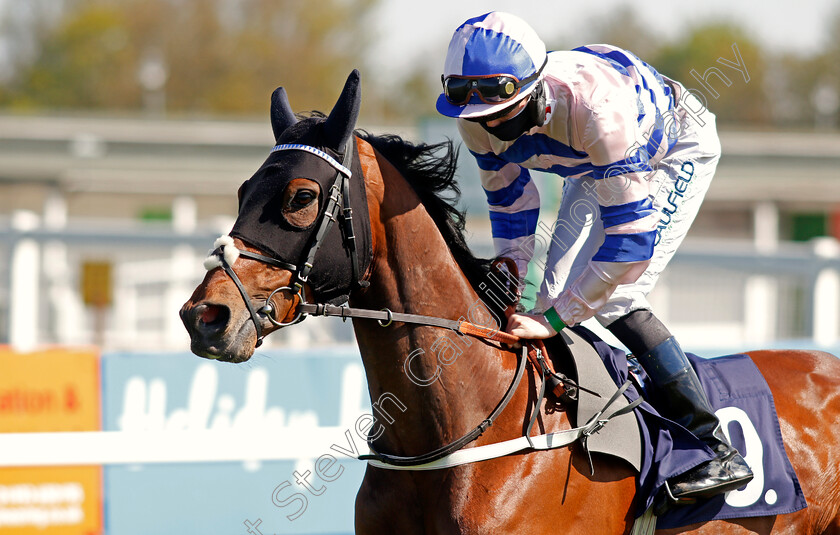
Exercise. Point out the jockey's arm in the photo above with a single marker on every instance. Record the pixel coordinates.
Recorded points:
(629, 221)
(622, 173)
(629, 228)
(512, 198)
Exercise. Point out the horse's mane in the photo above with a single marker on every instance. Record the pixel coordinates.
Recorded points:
(430, 170)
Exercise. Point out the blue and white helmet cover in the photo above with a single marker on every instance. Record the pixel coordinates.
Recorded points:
(493, 43)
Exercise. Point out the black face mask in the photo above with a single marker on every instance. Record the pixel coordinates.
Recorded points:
(260, 222)
(532, 115)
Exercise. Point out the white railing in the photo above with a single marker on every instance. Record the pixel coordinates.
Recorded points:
(719, 294)
(714, 294)
(154, 272)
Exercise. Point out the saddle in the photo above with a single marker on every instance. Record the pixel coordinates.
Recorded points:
(576, 380)
(577, 360)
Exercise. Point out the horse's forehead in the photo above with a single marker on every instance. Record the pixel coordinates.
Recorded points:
(308, 131)
(281, 167)
(260, 222)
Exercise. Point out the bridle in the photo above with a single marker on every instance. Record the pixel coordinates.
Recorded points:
(337, 209)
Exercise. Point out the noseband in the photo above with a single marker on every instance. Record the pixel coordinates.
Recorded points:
(337, 208)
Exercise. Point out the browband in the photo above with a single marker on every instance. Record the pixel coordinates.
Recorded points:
(317, 152)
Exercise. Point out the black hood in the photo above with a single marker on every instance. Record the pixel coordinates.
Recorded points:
(260, 222)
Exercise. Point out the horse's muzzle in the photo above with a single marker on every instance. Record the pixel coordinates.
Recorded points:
(208, 326)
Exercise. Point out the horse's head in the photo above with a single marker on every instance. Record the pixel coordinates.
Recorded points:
(294, 239)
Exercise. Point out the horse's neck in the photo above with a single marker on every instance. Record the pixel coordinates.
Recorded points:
(441, 385)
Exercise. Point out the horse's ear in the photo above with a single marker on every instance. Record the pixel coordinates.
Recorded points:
(342, 120)
(282, 116)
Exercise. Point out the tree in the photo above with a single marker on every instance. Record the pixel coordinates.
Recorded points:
(721, 62)
(226, 56)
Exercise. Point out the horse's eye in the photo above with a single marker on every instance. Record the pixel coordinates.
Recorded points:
(300, 202)
(303, 198)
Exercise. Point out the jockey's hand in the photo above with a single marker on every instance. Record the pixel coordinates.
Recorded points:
(531, 326)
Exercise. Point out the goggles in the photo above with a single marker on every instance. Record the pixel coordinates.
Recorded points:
(490, 88)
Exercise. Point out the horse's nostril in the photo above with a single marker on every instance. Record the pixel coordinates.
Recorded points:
(212, 315)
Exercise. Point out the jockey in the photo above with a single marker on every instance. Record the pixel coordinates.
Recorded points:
(638, 152)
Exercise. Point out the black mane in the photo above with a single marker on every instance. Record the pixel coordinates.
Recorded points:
(430, 170)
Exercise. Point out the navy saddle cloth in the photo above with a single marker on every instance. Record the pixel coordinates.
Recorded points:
(744, 404)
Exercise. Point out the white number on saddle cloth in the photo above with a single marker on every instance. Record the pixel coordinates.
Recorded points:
(754, 457)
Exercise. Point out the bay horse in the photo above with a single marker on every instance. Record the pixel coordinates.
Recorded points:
(405, 253)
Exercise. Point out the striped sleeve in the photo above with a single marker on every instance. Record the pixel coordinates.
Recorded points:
(512, 198)
(629, 220)
(621, 169)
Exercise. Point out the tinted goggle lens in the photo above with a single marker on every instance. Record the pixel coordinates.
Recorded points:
(490, 89)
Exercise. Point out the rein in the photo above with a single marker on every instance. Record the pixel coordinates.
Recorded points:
(385, 317)
(225, 254)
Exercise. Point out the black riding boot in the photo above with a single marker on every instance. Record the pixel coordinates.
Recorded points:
(686, 403)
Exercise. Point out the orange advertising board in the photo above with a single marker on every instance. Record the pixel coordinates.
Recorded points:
(50, 390)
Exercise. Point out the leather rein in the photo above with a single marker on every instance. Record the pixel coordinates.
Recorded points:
(338, 209)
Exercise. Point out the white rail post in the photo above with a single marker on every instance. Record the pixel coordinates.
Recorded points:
(761, 291)
(766, 227)
(66, 311)
(184, 219)
(24, 290)
(760, 309)
(826, 311)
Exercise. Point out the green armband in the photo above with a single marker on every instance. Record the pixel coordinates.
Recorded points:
(554, 319)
